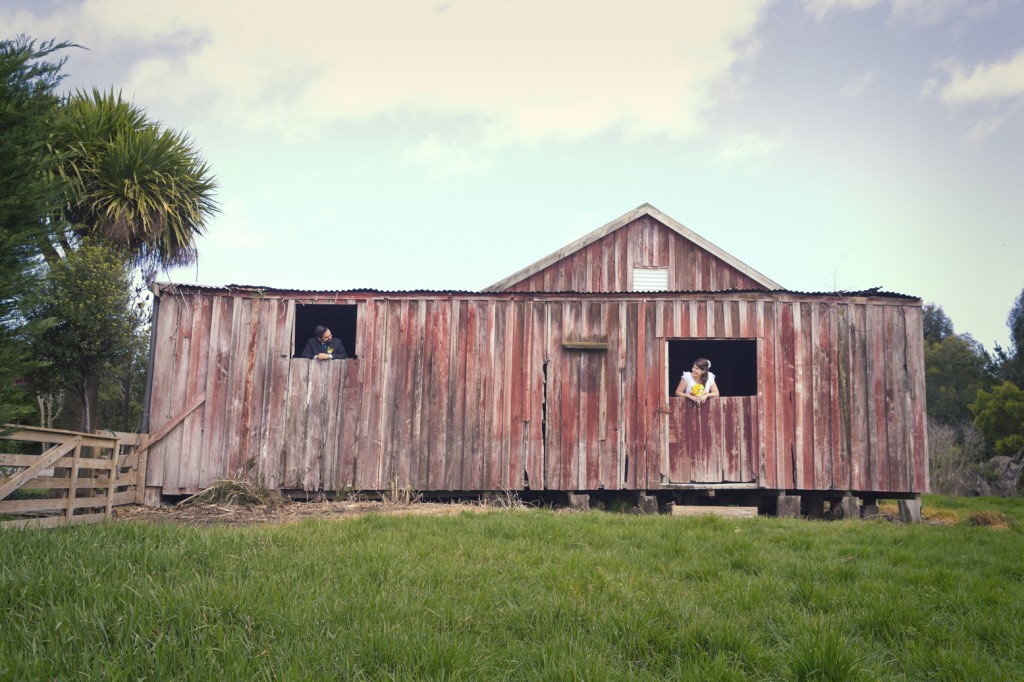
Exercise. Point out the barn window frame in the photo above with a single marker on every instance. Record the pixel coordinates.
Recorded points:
(341, 318)
(734, 359)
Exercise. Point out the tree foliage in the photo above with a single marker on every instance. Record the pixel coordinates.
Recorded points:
(28, 110)
(937, 325)
(956, 368)
(999, 415)
(121, 395)
(90, 187)
(130, 181)
(87, 300)
(1010, 364)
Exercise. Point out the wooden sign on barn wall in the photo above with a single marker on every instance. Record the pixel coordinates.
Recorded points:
(545, 390)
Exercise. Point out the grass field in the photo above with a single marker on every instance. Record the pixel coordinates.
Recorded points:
(520, 595)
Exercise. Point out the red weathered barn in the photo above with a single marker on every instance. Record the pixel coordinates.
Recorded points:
(557, 378)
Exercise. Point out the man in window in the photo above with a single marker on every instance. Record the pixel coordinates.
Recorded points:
(323, 346)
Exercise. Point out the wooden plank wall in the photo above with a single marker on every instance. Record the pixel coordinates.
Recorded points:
(606, 265)
(477, 392)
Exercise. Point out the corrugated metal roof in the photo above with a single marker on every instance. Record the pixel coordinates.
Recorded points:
(875, 292)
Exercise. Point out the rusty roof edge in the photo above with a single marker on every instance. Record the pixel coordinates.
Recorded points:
(874, 292)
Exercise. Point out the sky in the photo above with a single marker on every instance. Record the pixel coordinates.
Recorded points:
(395, 145)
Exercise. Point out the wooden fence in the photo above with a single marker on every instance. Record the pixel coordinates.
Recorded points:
(71, 478)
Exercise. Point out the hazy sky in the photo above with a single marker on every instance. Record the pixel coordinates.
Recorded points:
(830, 144)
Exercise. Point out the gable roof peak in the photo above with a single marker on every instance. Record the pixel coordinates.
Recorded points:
(644, 209)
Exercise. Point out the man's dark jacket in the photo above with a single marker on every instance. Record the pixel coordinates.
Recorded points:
(335, 347)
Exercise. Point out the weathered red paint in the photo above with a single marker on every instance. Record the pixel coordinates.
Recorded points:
(449, 394)
(464, 392)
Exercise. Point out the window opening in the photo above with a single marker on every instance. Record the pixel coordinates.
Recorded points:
(340, 319)
(733, 362)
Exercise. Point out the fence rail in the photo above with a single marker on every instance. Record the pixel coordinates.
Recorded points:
(51, 477)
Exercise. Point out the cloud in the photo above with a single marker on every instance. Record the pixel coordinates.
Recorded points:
(994, 81)
(917, 11)
(856, 87)
(525, 71)
(992, 91)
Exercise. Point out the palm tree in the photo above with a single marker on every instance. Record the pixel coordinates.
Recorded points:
(130, 182)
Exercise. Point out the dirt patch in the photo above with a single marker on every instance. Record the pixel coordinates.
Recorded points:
(287, 512)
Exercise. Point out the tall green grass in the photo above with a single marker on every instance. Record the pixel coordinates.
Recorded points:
(515, 595)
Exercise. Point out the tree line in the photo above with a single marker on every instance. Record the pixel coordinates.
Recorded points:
(975, 400)
(95, 199)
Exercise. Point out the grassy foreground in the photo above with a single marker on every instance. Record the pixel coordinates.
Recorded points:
(518, 595)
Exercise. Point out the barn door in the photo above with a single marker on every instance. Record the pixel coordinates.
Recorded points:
(714, 443)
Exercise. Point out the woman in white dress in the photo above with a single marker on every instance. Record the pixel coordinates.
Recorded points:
(699, 383)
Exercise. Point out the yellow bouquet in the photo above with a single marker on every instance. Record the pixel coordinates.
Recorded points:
(698, 390)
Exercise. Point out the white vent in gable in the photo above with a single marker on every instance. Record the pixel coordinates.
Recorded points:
(650, 279)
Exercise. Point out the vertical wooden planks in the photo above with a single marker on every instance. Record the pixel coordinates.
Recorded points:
(879, 455)
(628, 311)
(569, 448)
(679, 461)
(273, 311)
(396, 403)
(666, 330)
(272, 445)
(861, 428)
(497, 453)
(786, 422)
(191, 444)
(655, 393)
(620, 386)
(317, 410)
(421, 321)
(842, 474)
(732, 438)
(407, 342)
(705, 460)
(594, 367)
(369, 464)
(294, 432)
(804, 396)
(895, 388)
(163, 388)
(610, 390)
(555, 383)
(457, 390)
(639, 358)
(475, 405)
(516, 388)
(914, 404)
(216, 432)
(439, 393)
(750, 456)
(231, 460)
(182, 335)
(260, 348)
(536, 445)
(821, 397)
(770, 473)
